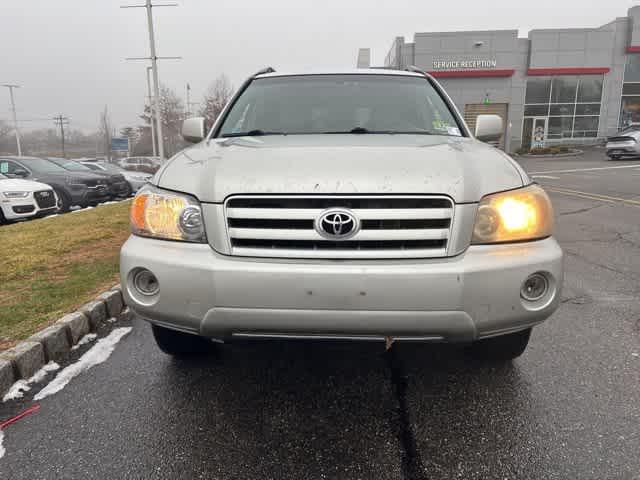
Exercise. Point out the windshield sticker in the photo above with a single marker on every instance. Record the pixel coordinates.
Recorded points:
(441, 125)
(454, 131)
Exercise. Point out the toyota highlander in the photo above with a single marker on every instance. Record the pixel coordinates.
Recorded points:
(343, 205)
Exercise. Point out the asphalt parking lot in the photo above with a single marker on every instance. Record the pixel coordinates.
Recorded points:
(568, 409)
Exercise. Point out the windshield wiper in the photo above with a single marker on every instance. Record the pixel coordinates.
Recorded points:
(363, 130)
(251, 133)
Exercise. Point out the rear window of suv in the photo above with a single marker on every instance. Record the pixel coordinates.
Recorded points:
(322, 104)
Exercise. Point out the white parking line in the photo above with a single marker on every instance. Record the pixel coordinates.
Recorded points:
(586, 169)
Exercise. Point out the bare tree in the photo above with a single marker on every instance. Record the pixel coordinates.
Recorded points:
(172, 115)
(104, 130)
(215, 99)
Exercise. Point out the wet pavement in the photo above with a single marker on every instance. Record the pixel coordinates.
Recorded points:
(569, 408)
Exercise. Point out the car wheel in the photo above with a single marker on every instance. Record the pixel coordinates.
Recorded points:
(2, 219)
(614, 157)
(64, 202)
(502, 348)
(179, 344)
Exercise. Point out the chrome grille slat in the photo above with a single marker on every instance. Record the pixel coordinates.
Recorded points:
(362, 214)
(409, 226)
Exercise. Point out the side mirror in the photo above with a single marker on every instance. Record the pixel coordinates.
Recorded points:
(193, 129)
(20, 172)
(489, 128)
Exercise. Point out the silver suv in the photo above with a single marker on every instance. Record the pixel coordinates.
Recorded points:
(353, 205)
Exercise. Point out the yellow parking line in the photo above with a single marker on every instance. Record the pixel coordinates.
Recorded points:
(594, 196)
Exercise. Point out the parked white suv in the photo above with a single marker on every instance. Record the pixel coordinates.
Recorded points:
(21, 199)
(345, 205)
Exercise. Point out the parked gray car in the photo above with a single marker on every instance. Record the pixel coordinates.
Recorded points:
(624, 144)
(347, 205)
(136, 180)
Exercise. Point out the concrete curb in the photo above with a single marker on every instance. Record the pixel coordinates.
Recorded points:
(54, 342)
(575, 153)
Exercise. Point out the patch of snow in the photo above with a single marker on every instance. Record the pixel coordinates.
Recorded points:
(81, 209)
(89, 337)
(97, 354)
(634, 354)
(2, 450)
(51, 216)
(19, 388)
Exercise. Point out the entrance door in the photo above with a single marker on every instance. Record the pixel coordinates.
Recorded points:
(539, 132)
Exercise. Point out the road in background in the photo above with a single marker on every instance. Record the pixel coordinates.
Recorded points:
(569, 408)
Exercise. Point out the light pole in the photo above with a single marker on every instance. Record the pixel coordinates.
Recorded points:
(153, 127)
(154, 68)
(15, 118)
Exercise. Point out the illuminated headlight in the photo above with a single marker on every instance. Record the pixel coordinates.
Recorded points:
(16, 194)
(167, 215)
(514, 216)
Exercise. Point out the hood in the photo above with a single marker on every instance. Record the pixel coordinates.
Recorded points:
(16, 184)
(461, 168)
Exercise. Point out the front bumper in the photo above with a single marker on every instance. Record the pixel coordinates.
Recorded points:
(463, 298)
(22, 208)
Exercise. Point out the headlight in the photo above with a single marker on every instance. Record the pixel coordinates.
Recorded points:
(16, 194)
(167, 215)
(517, 215)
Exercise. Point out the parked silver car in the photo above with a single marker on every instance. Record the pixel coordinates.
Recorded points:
(136, 180)
(625, 144)
(347, 205)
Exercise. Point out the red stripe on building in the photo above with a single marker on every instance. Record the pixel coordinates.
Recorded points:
(633, 49)
(471, 73)
(567, 71)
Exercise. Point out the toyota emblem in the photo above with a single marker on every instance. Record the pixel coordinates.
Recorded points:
(337, 224)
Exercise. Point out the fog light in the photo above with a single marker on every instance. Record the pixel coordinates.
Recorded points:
(146, 282)
(535, 287)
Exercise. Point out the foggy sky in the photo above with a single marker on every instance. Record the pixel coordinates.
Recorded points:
(68, 55)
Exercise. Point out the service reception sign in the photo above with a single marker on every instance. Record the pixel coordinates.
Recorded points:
(463, 64)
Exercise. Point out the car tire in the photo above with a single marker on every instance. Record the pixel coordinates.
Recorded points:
(2, 219)
(502, 349)
(614, 157)
(179, 344)
(64, 202)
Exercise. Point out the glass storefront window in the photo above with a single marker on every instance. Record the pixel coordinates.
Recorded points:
(563, 109)
(564, 89)
(536, 110)
(560, 127)
(630, 112)
(571, 103)
(590, 89)
(538, 90)
(588, 109)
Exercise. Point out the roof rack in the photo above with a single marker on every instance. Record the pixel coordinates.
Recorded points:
(414, 69)
(264, 70)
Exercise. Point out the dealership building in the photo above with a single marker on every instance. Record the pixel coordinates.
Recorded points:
(568, 85)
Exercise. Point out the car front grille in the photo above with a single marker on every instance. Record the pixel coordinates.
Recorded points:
(45, 199)
(291, 226)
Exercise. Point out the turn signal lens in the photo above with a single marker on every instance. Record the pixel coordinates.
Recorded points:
(167, 215)
(517, 215)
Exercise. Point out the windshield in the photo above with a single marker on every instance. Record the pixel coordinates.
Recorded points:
(40, 165)
(70, 165)
(323, 104)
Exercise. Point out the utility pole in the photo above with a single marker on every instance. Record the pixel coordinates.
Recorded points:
(188, 112)
(153, 127)
(154, 67)
(15, 118)
(61, 121)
